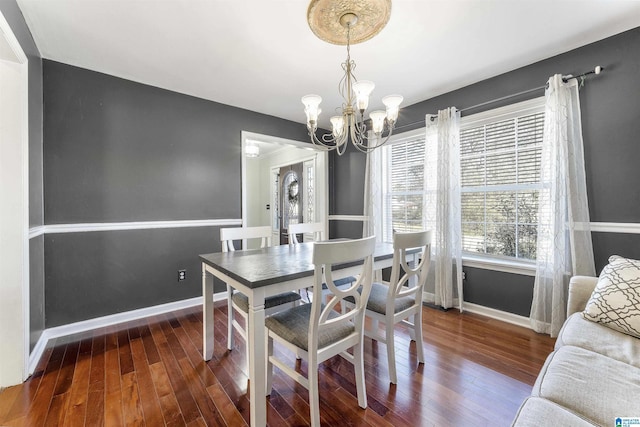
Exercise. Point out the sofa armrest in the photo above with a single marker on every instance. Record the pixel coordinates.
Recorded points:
(580, 289)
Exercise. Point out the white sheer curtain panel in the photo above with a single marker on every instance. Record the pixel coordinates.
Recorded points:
(564, 245)
(372, 209)
(443, 133)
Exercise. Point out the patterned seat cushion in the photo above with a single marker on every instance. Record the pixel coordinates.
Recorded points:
(615, 302)
(340, 282)
(378, 299)
(242, 301)
(293, 326)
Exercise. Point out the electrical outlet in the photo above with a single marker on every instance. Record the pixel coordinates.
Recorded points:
(464, 275)
(182, 275)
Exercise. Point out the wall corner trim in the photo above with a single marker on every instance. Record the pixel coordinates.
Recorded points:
(36, 231)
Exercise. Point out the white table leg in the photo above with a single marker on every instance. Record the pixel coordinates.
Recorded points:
(257, 361)
(207, 316)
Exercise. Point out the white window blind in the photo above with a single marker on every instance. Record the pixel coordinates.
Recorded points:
(500, 182)
(403, 185)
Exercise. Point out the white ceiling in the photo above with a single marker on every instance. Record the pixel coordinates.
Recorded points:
(262, 56)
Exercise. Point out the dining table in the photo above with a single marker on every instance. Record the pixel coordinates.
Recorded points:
(260, 273)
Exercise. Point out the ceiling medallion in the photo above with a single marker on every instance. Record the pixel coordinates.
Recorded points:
(324, 17)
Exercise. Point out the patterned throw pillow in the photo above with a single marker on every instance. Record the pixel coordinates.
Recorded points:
(615, 302)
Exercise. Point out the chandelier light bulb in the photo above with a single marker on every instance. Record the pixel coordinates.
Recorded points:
(337, 123)
(312, 109)
(392, 102)
(377, 121)
(362, 89)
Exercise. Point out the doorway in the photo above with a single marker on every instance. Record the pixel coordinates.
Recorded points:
(263, 188)
(291, 198)
(14, 211)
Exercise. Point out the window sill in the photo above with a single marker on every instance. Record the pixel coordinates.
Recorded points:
(506, 266)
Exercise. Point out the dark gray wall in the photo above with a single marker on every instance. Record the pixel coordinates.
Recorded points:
(346, 195)
(13, 15)
(610, 109)
(119, 151)
(95, 274)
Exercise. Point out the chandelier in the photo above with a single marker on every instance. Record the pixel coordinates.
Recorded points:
(346, 22)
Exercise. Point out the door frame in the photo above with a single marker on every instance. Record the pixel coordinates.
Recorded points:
(322, 198)
(14, 168)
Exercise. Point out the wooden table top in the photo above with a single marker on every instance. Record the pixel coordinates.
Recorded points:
(261, 267)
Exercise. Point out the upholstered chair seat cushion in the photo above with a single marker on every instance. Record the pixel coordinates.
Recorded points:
(242, 301)
(340, 282)
(293, 326)
(378, 299)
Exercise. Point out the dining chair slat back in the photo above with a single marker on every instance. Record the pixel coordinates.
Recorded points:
(229, 235)
(238, 301)
(317, 229)
(401, 298)
(316, 331)
(314, 228)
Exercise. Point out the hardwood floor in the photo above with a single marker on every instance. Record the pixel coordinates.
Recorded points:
(150, 372)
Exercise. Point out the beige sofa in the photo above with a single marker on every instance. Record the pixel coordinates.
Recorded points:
(591, 378)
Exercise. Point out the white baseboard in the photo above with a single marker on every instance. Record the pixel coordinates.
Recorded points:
(430, 298)
(112, 319)
(503, 316)
(492, 313)
(36, 353)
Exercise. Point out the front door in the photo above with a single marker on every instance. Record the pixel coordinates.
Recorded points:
(291, 185)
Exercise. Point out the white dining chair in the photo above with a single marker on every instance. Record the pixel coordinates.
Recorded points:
(239, 301)
(317, 232)
(317, 332)
(316, 229)
(399, 299)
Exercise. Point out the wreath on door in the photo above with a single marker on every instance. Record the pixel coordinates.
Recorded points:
(293, 192)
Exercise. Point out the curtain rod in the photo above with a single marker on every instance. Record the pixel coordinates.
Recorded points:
(596, 70)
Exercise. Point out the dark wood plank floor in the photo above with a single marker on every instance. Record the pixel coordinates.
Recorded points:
(150, 372)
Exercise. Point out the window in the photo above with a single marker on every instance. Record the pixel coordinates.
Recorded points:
(405, 199)
(500, 180)
(309, 197)
(500, 153)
